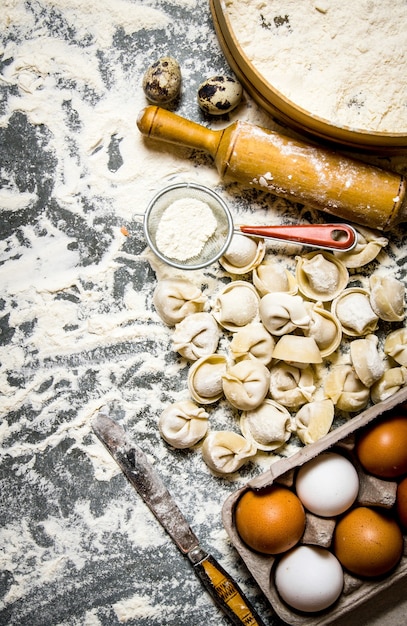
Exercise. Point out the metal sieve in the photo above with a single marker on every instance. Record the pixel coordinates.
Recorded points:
(336, 236)
(215, 246)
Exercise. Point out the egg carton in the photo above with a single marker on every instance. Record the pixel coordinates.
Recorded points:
(318, 531)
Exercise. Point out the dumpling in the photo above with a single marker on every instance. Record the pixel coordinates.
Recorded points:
(281, 313)
(321, 276)
(237, 305)
(395, 345)
(314, 420)
(205, 378)
(246, 383)
(243, 254)
(345, 389)
(291, 386)
(369, 244)
(176, 298)
(366, 359)
(269, 426)
(183, 424)
(355, 313)
(387, 297)
(226, 452)
(252, 339)
(269, 277)
(390, 382)
(197, 335)
(324, 327)
(297, 350)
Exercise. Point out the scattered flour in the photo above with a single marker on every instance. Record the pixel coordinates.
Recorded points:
(79, 329)
(136, 607)
(342, 61)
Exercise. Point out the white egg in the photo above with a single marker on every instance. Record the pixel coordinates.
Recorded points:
(327, 485)
(309, 578)
(219, 94)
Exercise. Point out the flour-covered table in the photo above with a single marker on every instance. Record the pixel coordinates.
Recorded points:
(79, 332)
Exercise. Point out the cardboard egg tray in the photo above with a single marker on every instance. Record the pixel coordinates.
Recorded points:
(319, 531)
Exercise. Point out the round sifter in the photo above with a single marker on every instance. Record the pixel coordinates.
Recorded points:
(189, 226)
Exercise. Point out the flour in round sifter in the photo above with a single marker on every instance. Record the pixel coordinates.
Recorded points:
(185, 227)
(343, 62)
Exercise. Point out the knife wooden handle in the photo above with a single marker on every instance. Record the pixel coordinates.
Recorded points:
(228, 595)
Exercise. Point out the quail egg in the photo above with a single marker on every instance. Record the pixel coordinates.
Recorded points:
(162, 81)
(219, 94)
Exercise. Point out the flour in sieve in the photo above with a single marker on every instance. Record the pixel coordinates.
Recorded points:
(185, 227)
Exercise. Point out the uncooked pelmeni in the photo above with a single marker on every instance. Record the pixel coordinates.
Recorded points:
(291, 386)
(226, 452)
(270, 277)
(197, 335)
(183, 424)
(269, 426)
(205, 378)
(243, 254)
(282, 313)
(324, 327)
(236, 305)
(253, 339)
(321, 276)
(354, 311)
(345, 389)
(246, 383)
(175, 298)
(297, 350)
(387, 297)
(369, 243)
(388, 384)
(395, 345)
(366, 360)
(314, 420)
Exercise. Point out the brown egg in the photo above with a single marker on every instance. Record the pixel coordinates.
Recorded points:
(271, 520)
(368, 542)
(382, 447)
(401, 502)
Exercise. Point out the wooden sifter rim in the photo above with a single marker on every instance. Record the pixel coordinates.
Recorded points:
(283, 109)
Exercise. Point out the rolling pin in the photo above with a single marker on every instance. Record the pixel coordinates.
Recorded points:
(304, 173)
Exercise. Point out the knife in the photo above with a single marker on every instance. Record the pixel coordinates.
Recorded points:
(140, 473)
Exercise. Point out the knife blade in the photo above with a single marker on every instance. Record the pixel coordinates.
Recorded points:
(141, 474)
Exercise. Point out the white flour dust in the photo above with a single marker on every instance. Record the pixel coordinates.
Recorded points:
(79, 333)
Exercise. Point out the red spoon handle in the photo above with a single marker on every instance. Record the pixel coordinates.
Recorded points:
(332, 236)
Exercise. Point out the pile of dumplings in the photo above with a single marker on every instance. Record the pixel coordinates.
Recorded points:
(301, 346)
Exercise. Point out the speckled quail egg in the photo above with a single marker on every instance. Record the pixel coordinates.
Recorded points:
(219, 94)
(162, 81)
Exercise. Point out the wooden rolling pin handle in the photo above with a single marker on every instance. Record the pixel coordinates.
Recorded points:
(158, 123)
(304, 173)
